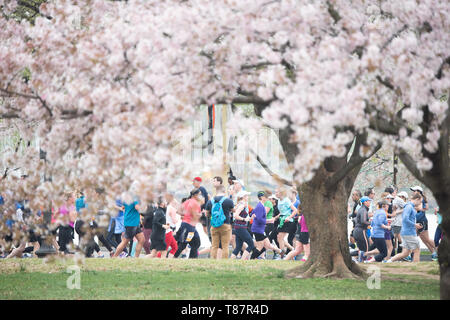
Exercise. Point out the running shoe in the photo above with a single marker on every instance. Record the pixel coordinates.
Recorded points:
(370, 260)
(261, 258)
(275, 256)
(408, 258)
(434, 256)
(100, 255)
(303, 260)
(387, 261)
(123, 255)
(361, 257)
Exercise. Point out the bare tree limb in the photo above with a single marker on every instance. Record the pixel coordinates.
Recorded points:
(73, 114)
(355, 160)
(28, 96)
(410, 163)
(441, 67)
(393, 37)
(270, 172)
(9, 116)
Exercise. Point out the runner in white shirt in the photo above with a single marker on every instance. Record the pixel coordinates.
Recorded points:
(172, 219)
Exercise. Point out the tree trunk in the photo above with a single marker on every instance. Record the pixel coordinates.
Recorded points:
(324, 205)
(444, 247)
(438, 181)
(325, 212)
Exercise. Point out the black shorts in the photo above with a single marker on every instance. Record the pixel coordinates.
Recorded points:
(287, 226)
(293, 226)
(269, 228)
(158, 245)
(303, 237)
(9, 238)
(130, 232)
(28, 250)
(424, 223)
(33, 237)
(259, 236)
(204, 220)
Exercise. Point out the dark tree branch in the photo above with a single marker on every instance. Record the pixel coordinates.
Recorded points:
(393, 37)
(386, 83)
(9, 116)
(355, 160)
(18, 145)
(73, 114)
(256, 66)
(33, 7)
(10, 93)
(28, 5)
(333, 12)
(441, 67)
(28, 96)
(270, 172)
(387, 126)
(383, 126)
(410, 163)
(245, 100)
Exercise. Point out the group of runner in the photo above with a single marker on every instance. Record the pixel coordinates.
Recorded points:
(168, 228)
(390, 229)
(220, 225)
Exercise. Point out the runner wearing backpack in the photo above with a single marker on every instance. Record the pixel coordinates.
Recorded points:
(219, 210)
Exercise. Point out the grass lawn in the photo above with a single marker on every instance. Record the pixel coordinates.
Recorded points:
(204, 279)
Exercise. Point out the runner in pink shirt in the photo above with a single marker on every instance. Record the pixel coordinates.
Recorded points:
(187, 234)
(66, 217)
(301, 240)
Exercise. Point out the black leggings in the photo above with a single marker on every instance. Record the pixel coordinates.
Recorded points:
(92, 245)
(273, 235)
(291, 233)
(65, 237)
(242, 235)
(360, 236)
(182, 235)
(111, 236)
(380, 244)
(118, 239)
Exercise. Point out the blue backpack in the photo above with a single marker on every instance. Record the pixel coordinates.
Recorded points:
(217, 214)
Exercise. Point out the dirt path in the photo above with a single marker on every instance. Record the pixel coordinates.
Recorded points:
(427, 270)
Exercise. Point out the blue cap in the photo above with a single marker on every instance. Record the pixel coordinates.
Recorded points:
(364, 199)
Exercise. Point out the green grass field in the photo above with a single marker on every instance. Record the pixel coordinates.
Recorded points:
(204, 279)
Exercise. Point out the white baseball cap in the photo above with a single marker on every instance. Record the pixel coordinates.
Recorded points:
(390, 196)
(417, 188)
(240, 182)
(243, 193)
(402, 194)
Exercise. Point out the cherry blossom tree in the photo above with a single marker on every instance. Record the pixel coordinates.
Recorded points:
(109, 84)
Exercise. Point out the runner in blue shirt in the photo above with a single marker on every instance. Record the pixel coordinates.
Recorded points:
(421, 218)
(132, 227)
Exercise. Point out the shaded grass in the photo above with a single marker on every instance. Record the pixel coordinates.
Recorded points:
(195, 279)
